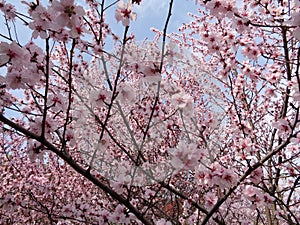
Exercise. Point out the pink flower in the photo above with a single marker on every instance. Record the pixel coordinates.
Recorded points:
(68, 14)
(11, 52)
(77, 30)
(8, 9)
(36, 126)
(68, 210)
(149, 193)
(216, 7)
(36, 53)
(124, 13)
(256, 175)
(119, 215)
(253, 194)
(252, 52)
(16, 80)
(127, 94)
(99, 98)
(270, 92)
(240, 25)
(228, 178)
(210, 200)
(296, 140)
(35, 151)
(151, 71)
(118, 186)
(56, 102)
(184, 102)
(38, 30)
(24, 64)
(185, 156)
(42, 21)
(63, 35)
(282, 126)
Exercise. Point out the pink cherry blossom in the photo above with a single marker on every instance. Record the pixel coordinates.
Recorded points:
(16, 79)
(11, 53)
(296, 140)
(185, 156)
(98, 98)
(126, 94)
(68, 15)
(124, 13)
(256, 175)
(184, 102)
(8, 10)
(150, 70)
(283, 127)
(210, 200)
(43, 19)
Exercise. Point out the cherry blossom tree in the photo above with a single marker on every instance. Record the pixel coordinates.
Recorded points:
(197, 126)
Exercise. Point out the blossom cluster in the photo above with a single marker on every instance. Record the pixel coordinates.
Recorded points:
(59, 18)
(195, 127)
(25, 64)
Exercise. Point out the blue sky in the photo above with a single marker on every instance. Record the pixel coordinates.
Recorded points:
(152, 13)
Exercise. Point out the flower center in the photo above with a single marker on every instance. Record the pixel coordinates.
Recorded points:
(70, 10)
